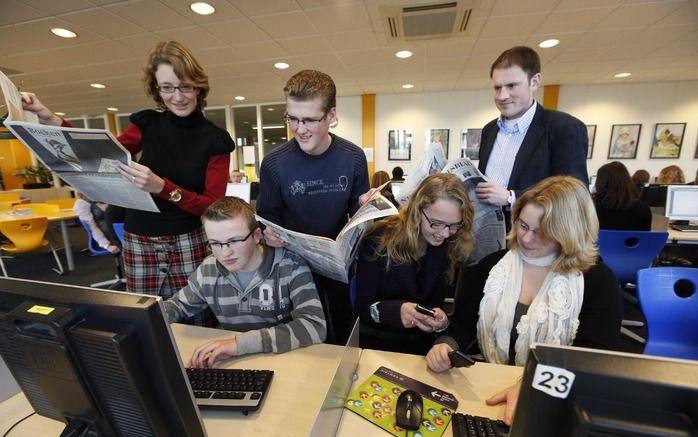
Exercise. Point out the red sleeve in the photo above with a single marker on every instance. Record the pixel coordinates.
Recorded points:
(65, 123)
(131, 138)
(216, 179)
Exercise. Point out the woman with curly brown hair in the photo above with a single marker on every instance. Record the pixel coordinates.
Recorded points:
(411, 259)
(184, 165)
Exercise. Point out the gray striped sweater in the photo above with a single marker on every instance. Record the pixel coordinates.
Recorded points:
(277, 312)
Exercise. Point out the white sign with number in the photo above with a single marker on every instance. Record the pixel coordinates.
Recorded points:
(554, 381)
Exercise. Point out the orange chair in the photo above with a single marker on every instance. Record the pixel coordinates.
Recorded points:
(10, 197)
(6, 206)
(26, 235)
(63, 204)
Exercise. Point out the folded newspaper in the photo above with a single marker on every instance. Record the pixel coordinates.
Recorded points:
(87, 159)
(332, 258)
(489, 231)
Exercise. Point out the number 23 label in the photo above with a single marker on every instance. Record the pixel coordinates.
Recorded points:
(554, 381)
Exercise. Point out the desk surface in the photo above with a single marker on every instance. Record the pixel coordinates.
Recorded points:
(301, 379)
(682, 236)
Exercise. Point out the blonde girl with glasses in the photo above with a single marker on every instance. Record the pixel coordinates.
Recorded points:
(409, 260)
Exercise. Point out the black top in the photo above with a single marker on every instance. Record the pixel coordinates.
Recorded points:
(636, 218)
(599, 318)
(178, 149)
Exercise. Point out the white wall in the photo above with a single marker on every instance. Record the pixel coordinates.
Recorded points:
(603, 105)
(638, 103)
(349, 119)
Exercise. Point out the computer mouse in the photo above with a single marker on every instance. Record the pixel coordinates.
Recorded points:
(408, 411)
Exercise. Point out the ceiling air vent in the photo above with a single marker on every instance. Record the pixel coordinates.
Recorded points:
(427, 21)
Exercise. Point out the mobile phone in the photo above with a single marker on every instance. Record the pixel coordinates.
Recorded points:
(460, 359)
(424, 310)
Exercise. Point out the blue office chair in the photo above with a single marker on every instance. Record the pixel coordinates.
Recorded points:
(625, 253)
(98, 251)
(669, 298)
(119, 231)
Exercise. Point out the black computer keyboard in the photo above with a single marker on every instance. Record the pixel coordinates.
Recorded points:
(235, 389)
(464, 425)
(685, 228)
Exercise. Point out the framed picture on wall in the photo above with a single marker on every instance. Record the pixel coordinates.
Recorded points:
(470, 143)
(624, 138)
(439, 136)
(591, 134)
(667, 140)
(399, 145)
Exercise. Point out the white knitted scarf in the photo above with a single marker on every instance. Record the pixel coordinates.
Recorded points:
(552, 317)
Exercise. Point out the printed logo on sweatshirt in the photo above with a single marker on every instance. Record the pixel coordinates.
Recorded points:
(266, 297)
(319, 186)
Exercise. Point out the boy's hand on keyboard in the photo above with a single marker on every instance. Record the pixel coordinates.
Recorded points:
(205, 355)
(510, 396)
(437, 357)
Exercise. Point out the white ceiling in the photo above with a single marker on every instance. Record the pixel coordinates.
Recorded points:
(655, 40)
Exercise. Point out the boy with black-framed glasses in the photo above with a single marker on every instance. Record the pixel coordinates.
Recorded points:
(265, 293)
(314, 183)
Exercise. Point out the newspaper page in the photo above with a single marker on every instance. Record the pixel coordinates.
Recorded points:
(87, 159)
(489, 230)
(432, 162)
(332, 258)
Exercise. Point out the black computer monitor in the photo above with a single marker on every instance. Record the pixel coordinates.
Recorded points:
(611, 394)
(654, 195)
(103, 362)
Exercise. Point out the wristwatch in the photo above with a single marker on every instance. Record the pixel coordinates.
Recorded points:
(375, 315)
(175, 195)
(511, 198)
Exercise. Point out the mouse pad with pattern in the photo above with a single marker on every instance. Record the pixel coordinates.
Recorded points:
(375, 400)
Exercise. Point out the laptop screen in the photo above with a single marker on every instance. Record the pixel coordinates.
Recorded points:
(238, 190)
(330, 414)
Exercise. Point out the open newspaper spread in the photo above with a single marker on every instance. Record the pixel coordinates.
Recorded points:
(489, 230)
(87, 159)
(332, 258)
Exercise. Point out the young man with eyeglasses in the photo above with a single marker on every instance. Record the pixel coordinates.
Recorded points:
(314, 182)
(265, 293)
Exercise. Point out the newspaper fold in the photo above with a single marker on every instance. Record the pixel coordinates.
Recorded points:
(87, 159)
(332, 258)
(489, 230)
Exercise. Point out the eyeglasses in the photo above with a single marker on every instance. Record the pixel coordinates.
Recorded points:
(309, 123)
(455, 227)
(169, 89)
(524, 228)
(233, 242)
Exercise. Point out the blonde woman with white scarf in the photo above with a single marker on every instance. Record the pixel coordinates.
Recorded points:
(547, 288)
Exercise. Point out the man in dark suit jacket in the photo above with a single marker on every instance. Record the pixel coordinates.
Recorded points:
(527, 143)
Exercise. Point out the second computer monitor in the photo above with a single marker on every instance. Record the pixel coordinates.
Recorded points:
(682, 202)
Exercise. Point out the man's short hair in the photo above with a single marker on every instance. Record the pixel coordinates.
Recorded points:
(227, 208)
(524, 57)
(309, 84)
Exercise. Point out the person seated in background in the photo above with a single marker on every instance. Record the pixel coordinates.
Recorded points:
(671, 175)
(409, 259)
(379, 178)
(549, 287)
(398, 174)
(97, 217)
(641, 178)
(265, 293)
(616, 200)
(236, 176)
